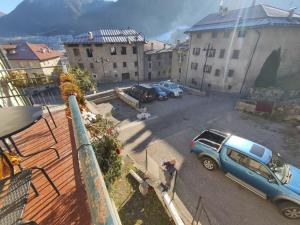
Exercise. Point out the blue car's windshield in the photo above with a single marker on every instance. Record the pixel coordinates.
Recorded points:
(278, 166)
(173, 86)
(157, 89)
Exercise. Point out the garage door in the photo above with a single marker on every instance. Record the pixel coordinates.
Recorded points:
(125, 76)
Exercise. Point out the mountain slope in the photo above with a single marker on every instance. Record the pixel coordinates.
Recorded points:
(152, 17)
(2, 14)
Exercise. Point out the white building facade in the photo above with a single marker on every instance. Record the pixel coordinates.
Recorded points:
(228, 49)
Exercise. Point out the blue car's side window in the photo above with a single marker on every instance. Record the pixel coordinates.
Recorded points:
(259, 169)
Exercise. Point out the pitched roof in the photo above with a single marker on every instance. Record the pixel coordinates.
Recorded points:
(158, 47)
(253, 16)
(28, 51)
(107, 36)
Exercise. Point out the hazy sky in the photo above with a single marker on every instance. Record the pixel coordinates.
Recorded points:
(7, 6)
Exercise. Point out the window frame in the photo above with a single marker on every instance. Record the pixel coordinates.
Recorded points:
(113, 50)
(76, 52)
(124, 64)
(89, 52)
(217, 74)
(222, 53)
(207, 69)
(235, 54)
(230, 73)
(123, 50)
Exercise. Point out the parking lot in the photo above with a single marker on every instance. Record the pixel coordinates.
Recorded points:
(168, 134)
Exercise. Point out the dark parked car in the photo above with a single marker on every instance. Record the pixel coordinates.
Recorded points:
(159, 93)
(143, 93)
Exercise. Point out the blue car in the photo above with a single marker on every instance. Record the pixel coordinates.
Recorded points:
(159, 93)
(253, 166)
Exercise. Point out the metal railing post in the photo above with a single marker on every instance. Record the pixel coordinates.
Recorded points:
(101, 207)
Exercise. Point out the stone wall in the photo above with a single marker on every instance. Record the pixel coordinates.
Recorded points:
(273, 94)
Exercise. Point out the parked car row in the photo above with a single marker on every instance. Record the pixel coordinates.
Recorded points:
(146, 93)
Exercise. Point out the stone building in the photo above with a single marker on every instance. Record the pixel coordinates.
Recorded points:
(109, 55)
(179, 62)
(158, 60)
(229, 49)
(27, 55)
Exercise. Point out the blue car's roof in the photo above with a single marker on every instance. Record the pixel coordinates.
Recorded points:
(252, 149)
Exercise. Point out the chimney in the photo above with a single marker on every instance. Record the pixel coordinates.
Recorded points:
(90, 36)
(178, 42)
(291, 12)
(152, 45)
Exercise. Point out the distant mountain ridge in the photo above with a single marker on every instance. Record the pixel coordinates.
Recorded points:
(2, 14)
(152, 17)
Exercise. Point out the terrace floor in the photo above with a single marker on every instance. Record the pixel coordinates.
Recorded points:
(48, 208)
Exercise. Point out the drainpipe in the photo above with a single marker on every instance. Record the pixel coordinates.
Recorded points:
(254, 50)
(187, 69)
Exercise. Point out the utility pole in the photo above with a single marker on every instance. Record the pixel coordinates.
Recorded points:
(206, 56)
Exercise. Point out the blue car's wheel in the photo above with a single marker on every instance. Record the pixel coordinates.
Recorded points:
(290, 209)
(209, 163)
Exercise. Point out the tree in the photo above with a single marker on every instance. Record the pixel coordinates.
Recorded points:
(107, 148)
(268, 73)
(84, 80)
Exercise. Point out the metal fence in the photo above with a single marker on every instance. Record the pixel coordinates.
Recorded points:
(18, 92)
(101, 208)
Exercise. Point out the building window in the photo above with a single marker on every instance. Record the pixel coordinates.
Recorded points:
(194, 66)
(235, 54)
(226, 34)
(207, 69)
(208, 85)
(169, 70)
(113, 50)
(134, 49)
(179, 70)
(149, 64)
(115, 65)
(123, 51)
(198, 35)
(89, 52)
(242, 33)
(230, 73)
(81, 66)
(76, 52)
(196, 51)
(94, 75)
(217, 72)
(135, 63)
(211, 53)
(158, 74)
(116, 75)
(136, 74)
(214, 34)
(158, 56)
(222, 53)
(149, 57)
(92, 66)
(124, 64)
(229, 87)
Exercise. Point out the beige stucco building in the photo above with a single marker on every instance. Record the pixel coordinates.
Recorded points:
(179, 62)
(109, 55)
(9, 95)
(158, 60)
(39, 57)
(228, 49)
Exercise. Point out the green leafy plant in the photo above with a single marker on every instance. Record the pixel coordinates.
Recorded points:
(83, 79)
(107, 149)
